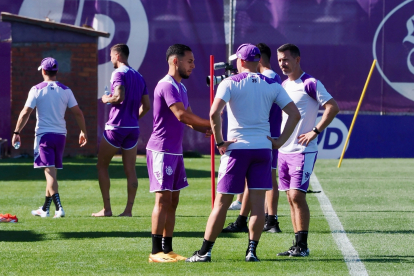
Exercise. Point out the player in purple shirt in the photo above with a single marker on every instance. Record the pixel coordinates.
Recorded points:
(272, 196)
(130, 101)
(165, 162)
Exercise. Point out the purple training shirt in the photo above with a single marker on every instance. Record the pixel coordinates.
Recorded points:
(126, 114)
(275, 115)
(167, 134)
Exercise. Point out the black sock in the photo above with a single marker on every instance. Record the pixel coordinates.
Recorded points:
(271, 220)
(156, 244)
(167, 244)
(241, 220)
(296, 238)
(206, 247)
(303, 239)
(252, 247)
(266, 217)
(56, 200)
(46, 205)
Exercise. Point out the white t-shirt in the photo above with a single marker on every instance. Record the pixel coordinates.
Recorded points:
(307, 93)
(51, 99)
(273, 75)
(249, 97)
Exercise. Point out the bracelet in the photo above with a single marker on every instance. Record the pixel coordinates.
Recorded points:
(220, 144)
(15, 132)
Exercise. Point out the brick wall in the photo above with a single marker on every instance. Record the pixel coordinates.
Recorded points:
(82, 79)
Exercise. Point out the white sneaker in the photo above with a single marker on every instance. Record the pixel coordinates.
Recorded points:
(60, 213)
(235, 205)
(39, 212)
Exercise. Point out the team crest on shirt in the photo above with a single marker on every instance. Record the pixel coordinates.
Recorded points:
(169, 170)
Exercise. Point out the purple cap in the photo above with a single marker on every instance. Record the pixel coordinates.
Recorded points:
(246, 52)
(49, 64)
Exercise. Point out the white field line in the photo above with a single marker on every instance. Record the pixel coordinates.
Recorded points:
(354, 264)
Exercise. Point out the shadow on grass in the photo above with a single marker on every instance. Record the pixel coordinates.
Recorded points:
(378, 232)
(20, 236)
(122, 234)
(76, 169)
(307, 259)
(389, 259)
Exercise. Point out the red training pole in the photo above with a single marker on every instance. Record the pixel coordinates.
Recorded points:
(212, 143)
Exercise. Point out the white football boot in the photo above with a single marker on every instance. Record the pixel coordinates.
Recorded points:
(39, 212)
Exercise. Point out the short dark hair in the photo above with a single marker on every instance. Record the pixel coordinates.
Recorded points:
(264, 49)
(294, 50)
(121, 48)
(50, 73)
(177, 49)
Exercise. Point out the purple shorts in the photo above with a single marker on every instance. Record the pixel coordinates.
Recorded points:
(48, 150)
(166, 171)
(125, 138)
(274, 158)
(295, 170)
(240, 164)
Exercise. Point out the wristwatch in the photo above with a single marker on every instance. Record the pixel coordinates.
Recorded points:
(316, 130)
(220, 144)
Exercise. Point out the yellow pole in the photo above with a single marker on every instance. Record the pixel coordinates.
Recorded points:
(356, 112)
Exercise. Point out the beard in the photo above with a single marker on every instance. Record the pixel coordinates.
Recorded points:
(286, 73)
(115, 65)
(183, 74)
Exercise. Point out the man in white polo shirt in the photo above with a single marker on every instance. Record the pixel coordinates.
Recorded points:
(298, 155)
(272, 196)
(51, 98)
(249, 97)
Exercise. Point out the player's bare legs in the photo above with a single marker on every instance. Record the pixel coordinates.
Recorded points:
(257, 216)
(301, 210)
(105, 154)
(271, 203)
(300, 220)
(239, 198)
(292, 211)
(170, 217)
(128, 159)
(240, 225)
(245, 209)
(163, 202)
(51, 181)
(272, 196)
(217, 216)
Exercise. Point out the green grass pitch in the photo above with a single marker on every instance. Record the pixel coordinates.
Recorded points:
(373, 198)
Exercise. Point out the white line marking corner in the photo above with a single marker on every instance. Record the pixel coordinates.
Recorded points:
(355, 266)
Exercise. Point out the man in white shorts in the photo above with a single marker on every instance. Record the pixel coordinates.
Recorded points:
(249, 97)
(165, 162)
(298, 155)
(51, 98)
